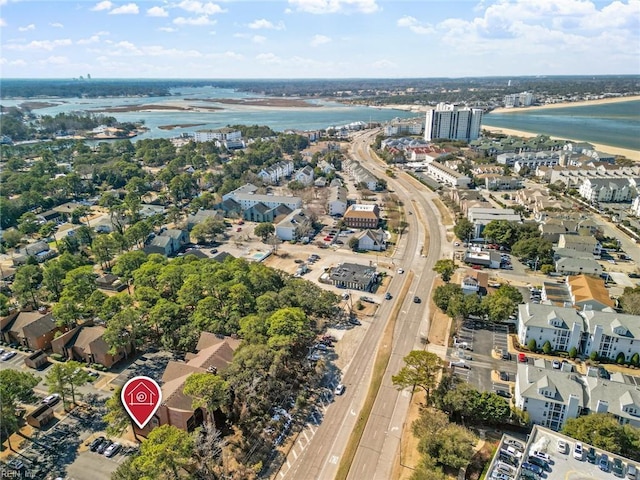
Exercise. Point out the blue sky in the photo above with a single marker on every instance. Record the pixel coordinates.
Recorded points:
(317, 38)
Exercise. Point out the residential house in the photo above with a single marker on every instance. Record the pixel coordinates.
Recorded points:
(474, 281)
(362, 216)
(446, 175)
(354, 276)
(360, 175)
(38, 250)
(86, 344)
(576, 266)
(202, 215)
(372, 240)
(609, 189)
(581, 243)
(500, 182)
(304, 175)
(167, 243)
(33, 330)
(337, 201)
(213, 354)
(551, 232)
(276, 172)
(294, 226)
(110, 282)
(489, 259)
(49, 216)
(549, 397)
(589, 293)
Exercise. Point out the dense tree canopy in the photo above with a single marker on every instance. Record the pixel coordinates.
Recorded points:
(603, 431)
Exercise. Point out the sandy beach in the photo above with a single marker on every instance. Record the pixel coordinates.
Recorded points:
(600, 101)
(631, 154)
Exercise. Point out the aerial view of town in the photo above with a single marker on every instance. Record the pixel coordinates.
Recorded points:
(320, 240)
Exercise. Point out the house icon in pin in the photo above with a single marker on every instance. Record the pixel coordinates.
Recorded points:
(141, 395)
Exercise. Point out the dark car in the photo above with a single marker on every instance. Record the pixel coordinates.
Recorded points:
(617, 468)
(96, 443)
(504, 376)
(387, 296)
(533, 468)
(503, 393)
(103, 446)
(416, 300)
(539, 462)
(603, 463)
(591, 455)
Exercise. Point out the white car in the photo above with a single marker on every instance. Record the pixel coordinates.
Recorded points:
(544, 456)
(400, 271)
(563, 447)
(500, 476)
(8, 355)
(578, 451)
(339, 389)
(51, 399)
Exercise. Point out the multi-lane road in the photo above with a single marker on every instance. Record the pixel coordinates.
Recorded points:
(323, 445)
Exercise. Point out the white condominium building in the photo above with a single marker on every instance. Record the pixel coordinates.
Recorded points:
(453, 122)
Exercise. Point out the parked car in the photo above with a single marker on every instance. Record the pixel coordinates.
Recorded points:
(533, 468)
(96, 443)
(618, 468)
(603, 463)
(539, 462)
(522, 358)
(512, 442)
(51, 399)
(103, 446)
(497, 475)
(112, 449)
(504, 376)
(556, 364)
(503, 393)
(563, 447)
(591, 455)
(578, 451)
(632, 472)
(339, 389)
(8, 355)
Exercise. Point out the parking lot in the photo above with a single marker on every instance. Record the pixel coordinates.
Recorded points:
(472, 360)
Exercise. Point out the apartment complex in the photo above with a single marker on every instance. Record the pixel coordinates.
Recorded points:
(605, 332)
(362, 216)
(446, 175)
(453, 122)
(522, 99)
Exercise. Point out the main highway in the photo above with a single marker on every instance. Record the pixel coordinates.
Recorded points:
(323, 446)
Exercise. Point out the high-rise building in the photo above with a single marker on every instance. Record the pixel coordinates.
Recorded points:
(453, 122)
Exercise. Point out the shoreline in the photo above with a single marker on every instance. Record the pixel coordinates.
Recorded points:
(581, 103)
(626, 152)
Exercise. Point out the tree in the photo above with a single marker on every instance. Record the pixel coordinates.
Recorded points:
(58, 381)
(264, 230)
(26, 283)
(498, 307)
(547, 348)
(603, 431)
(635, 359)
(502, 232)
(443, 294)
(125, 329)
(104, 247)
(15, 386)
(630, 300)
(207, 230)
(165, 454)
(28, 223)
(463, 229)
(573, 352)
(127, 263)
(288, 327)
(532, 345)
(52, 277)
(354, 243)
(532, 248)
(445, 268)
(510, 292)
(117, 418)
(12, 237)
(547, 269)
(420, 370)
(4, 305)
(208, 390)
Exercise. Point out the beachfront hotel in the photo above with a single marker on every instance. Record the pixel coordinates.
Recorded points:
(453, 122)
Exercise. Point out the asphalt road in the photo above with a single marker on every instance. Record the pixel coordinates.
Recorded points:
(319, 449)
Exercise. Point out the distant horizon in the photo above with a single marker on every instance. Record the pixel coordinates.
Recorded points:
(505, 77)
(316, 39)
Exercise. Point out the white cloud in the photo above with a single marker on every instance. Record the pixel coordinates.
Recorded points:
(40, 45)
(195, 6)
(157, 12)
(384, 64)
(194, 21)
(29, 27)
(336, 6)
(128, 9)
(3, 23)
(57, 60)
(269, 58)
(414, 25)
(56, 25)
(318, 40)
(167, 29)
(253, 38)
(87, 41)
(104, 5)
(266, 24)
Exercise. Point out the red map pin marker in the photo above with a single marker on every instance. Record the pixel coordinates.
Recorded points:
(141, 397)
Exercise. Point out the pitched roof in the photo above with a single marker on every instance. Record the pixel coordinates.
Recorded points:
(584, 288)
(32, 324)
